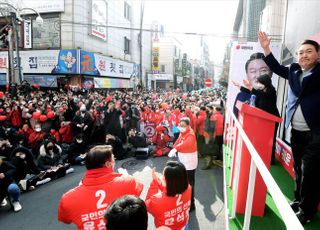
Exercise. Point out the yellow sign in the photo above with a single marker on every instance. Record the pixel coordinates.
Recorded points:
(155, 60)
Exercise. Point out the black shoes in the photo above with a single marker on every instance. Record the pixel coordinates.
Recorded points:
(295, 206)
(302, 217)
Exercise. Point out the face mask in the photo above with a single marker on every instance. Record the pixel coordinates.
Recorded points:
(79, 141)
(23, 156)
(37, 130)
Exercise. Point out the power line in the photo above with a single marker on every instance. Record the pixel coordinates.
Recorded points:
(274, 36)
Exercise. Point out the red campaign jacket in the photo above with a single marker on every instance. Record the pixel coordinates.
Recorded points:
(35, 138)
(25, 133)
(218, 117)
(147, 116)
(156, 139)
(171, 119)
(158, 117)
(200, 122)
(56, 135)
(186, 142)
(172, 212)
(66, 133)
(86, 204)
(15, 118)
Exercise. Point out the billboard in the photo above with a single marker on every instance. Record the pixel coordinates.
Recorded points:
(110, 83)
(42, 80)
(240, 54)
(99, 17)
(155, 60)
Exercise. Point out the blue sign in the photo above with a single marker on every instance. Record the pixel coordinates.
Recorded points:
(3, 79)
(42, 80)
(87, 63)
(67, 62)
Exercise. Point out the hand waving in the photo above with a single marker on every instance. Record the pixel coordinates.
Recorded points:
(264, 42)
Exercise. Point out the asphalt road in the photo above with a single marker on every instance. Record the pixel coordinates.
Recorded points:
(40, 206)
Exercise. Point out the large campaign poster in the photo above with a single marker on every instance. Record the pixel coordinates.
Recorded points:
(240, 54)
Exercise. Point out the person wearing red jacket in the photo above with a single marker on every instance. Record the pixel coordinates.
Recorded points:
(186, 146)
(218, 135)
(168, 199)
(66, 132)
(35, 139)
(160, 139)
(55, 134)
(192, 118)
(200, 120)
(99, 188)
(15, 116)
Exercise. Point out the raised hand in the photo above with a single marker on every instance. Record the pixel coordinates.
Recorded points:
(236, 84)
(264, 42)
(247, 84)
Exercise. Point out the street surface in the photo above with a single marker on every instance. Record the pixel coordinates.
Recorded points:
(40, 206)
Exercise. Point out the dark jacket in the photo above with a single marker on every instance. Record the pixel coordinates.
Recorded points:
(242, 96)
(23, 166)
(306, 94)
(266, 101)
(46, 160)
(8, 170)
(112, 123)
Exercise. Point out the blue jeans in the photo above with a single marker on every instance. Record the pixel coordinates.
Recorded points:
(14, 192)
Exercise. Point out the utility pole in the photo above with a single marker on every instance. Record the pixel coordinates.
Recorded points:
(10, 55)
(16, 34)
(140, 40)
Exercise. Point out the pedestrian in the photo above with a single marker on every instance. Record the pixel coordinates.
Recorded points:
(302, 112)
(169, 198)
(98, 189)
(7, 185)
(186, 147)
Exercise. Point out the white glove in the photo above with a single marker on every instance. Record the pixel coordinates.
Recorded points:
(172, 153)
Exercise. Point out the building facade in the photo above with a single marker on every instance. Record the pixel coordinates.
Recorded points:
(92, 43)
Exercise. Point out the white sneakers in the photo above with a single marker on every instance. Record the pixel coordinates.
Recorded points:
(16, 206)
(23, 184)
(44, 181)
(70, 170)
(4, 202)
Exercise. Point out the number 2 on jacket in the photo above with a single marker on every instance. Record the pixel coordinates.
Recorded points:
(179, 202)
(102, 195)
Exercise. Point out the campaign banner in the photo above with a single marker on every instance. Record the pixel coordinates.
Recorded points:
(110, 83)
(284, 156)
(42, 80)
(67, 62)
(149, 131)
(242, 54)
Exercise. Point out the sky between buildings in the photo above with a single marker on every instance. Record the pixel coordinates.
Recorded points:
(212, 17)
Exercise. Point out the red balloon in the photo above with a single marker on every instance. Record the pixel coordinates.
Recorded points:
(3, 118)
(36, 86)
(36, 115)
(1, 110)
(50, 114)
(43, 118)
(108, 98)
(1, 94)
(7, 87)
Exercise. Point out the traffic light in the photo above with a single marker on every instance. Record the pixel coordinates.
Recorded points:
(4, 41)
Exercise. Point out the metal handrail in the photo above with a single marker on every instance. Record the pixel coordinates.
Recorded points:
(287, 214)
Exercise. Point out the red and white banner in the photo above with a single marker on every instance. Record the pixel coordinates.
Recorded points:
(149, 130)
(284, 156)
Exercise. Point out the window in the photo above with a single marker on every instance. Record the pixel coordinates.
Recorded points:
(47, 34)
(127, 11)
(163, 68)
(126, 45)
